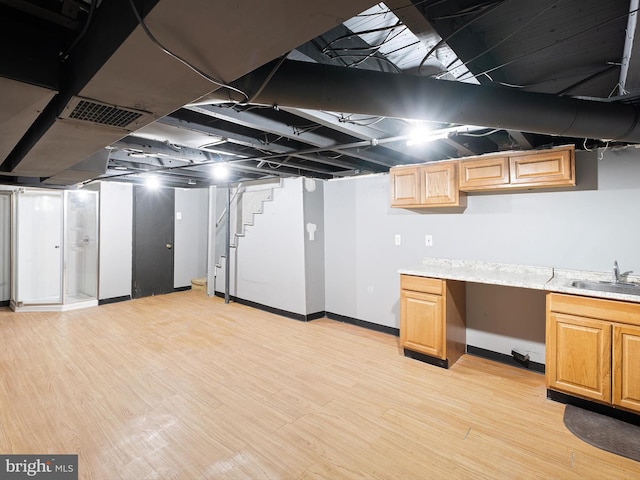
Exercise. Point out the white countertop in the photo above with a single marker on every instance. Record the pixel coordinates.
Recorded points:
(523, 276)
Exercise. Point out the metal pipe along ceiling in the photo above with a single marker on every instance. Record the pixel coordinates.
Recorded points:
(340, 89)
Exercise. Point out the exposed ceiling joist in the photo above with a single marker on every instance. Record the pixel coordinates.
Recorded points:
(257, 147)
(293, 132)
(561, 61)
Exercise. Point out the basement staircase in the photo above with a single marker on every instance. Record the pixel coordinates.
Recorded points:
(247, 201)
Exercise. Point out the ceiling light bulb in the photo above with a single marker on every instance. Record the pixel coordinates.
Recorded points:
(220, 171)
(420, 137)
(152, 182)
(417, 135)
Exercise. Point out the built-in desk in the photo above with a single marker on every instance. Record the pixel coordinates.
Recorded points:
(549, 279)
(592, 336)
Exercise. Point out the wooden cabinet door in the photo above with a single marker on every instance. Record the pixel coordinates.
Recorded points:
(579, 356)
(626, 366)
(484, 174)
(422, 326)
(553, 168)
(405, 186)
(439, 184)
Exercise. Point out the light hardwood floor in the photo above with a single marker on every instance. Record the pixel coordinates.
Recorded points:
(181, 386)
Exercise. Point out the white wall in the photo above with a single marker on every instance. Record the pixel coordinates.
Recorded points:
(267, 267)
(586, 229)
(116, 233)
(269, 260)
(190, 238)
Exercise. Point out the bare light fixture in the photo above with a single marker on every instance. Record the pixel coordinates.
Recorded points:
(152, 182)
(220, 171)
(421, 134)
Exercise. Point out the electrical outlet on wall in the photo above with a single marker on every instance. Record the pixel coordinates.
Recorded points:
(398, 239)
(428, 240)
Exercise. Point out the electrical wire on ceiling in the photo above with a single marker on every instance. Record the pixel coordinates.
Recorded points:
(367, 57)
(186, 63)
(442, 41)
(363, 122)
(467, 11)
(376, 48)
(466, 63)
(363, 32)
(302, 129)
(397, 9)
(92, 10)
(269, 77)
(549, 45)
(485, 134)
(409, 45)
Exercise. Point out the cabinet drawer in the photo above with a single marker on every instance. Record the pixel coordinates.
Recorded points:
(600, 308)
(484, 174)
(421, 284)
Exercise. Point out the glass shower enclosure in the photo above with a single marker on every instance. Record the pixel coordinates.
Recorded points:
(54, 250)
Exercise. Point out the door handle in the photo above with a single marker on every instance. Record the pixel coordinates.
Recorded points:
(169, 246)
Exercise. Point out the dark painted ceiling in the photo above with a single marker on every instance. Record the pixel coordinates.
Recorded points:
(123, 89)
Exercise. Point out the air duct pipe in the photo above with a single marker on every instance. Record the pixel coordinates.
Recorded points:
(340, 89)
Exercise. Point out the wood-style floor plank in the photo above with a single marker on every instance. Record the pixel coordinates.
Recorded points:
(182, 386)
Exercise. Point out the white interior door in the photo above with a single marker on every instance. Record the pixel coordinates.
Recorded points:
(5, 247)
(39, 247)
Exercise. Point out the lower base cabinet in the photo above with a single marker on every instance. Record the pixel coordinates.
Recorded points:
(626, 367)
(432, 318)
(593, 349)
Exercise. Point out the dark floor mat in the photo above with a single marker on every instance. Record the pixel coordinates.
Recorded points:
(604, 432)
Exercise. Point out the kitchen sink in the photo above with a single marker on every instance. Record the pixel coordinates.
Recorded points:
(612, 287)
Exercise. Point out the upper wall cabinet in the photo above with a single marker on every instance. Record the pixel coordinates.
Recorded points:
(439, 185)
(484, 173)
(405, 186)
(443, 184)
(551, 168)
(430, 185)
(511, 170)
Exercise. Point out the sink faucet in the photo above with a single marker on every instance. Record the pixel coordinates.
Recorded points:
(617, 276)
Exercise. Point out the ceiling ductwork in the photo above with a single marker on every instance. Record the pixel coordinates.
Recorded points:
(358, 80)
(338, 89)
(116, 79)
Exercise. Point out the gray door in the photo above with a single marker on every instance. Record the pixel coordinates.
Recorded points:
(152, 241)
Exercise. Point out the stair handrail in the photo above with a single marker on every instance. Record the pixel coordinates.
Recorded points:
(224, 212)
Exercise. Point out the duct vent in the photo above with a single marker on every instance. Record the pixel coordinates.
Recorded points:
(104, 114)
